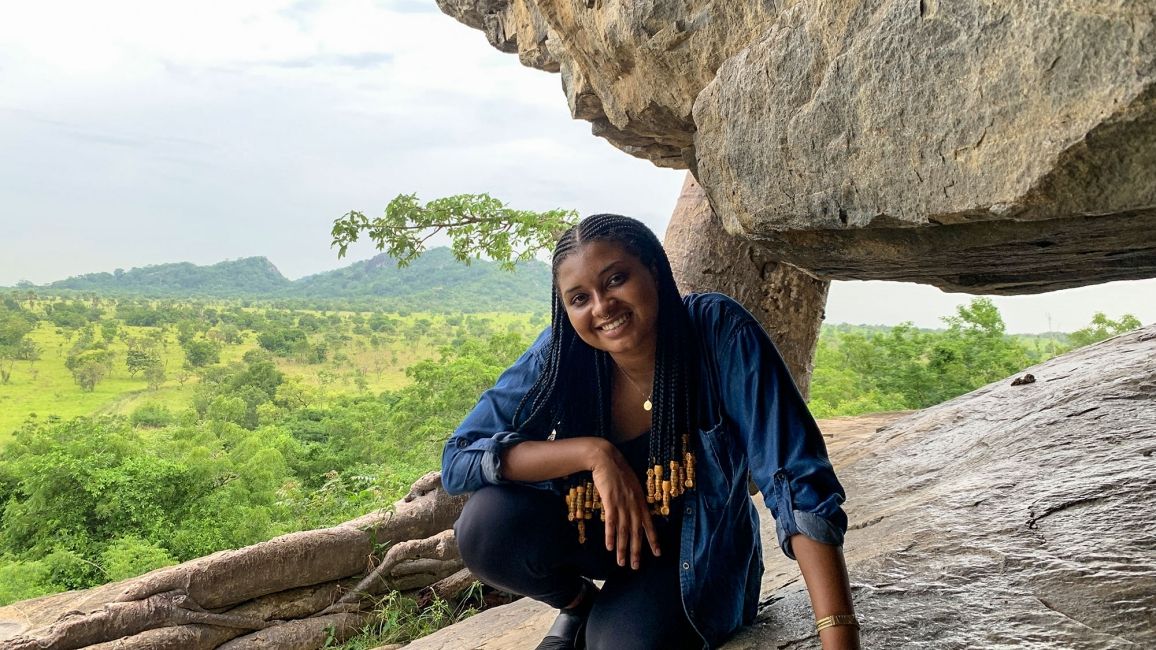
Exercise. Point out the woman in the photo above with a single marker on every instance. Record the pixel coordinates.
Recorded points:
(646, 411)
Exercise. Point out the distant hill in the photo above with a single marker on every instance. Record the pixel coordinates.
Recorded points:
(251, 276)
(434, 278)
(434, 281)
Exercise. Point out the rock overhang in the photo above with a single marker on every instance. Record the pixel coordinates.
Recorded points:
(981, 147)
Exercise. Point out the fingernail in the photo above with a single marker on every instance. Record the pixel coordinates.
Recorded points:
(634, 566)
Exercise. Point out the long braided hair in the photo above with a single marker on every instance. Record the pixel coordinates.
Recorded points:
(577, 376)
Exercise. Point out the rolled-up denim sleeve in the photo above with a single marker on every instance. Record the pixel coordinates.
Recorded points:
(472, 457)
(788, 459)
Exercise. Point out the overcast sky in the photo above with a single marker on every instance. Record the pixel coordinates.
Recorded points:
(135, 133)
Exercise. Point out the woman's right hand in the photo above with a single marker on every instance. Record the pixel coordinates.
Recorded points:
(628, 523)
(628, 519)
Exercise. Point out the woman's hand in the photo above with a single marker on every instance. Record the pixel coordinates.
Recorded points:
(628, 518)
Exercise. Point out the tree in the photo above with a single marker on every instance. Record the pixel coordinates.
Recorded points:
(89, 367)
(140, 358)
(108, 329)
(1102, 328)
(14, 327)
(154, 374)
(477, 224)
(201, 352)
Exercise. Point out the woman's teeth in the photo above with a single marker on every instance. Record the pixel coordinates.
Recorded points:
(615, 324)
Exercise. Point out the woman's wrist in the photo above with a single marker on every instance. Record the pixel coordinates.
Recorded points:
(840, 637)
(598, 453)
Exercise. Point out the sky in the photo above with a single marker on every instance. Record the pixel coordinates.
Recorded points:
(137, 133)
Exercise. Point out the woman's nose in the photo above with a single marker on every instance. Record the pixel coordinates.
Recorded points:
(603, 306)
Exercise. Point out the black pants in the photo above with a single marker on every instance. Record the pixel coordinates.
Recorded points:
(518, 539)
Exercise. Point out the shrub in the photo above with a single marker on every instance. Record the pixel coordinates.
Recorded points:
(131, 556)
(151, 414)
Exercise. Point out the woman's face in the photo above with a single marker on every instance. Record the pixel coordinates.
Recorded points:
(611, 298)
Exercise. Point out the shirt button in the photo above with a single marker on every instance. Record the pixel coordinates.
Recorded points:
(686, 566)
(689, 510)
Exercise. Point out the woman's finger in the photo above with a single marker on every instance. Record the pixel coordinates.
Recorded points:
(651, 532)
(638, 531)
(610, 526)
(623, 538)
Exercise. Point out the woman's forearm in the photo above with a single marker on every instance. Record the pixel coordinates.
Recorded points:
(536, 460)
(826, 576)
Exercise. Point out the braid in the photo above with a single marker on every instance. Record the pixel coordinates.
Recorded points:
(558, 402)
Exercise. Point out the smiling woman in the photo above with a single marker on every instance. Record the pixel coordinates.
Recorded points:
(637, 416)
(611, 300)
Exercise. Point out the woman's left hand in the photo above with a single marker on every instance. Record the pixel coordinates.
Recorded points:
(628, 518)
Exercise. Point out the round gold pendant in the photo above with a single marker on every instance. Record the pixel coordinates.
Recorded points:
(646, 406)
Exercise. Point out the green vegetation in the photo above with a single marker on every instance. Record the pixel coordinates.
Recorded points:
(862, 369)
(250, 444)
(398, 619)
(477, 224)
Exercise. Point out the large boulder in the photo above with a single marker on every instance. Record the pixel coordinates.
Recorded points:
(1018, 515)
(976, 146)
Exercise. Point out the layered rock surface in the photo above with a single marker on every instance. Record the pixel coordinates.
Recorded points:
(976, 146)
(1013, 516)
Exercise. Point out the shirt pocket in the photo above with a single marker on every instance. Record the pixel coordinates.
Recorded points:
(716, 474)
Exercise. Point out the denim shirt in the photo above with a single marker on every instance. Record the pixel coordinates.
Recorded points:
(754, 420)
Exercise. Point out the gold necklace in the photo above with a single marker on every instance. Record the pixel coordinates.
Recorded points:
(646, 405)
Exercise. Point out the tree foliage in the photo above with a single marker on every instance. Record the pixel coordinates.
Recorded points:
(907, 368)
(95, 499)
(477, 224)
(1102, 328)
(15, 324)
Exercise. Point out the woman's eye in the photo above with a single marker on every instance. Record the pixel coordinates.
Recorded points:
(616, 279)
(578, 299)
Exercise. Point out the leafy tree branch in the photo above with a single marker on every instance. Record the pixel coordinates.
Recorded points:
(477, 224)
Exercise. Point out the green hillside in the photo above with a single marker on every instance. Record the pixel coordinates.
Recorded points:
(432, 280)
(435, 281)
(251, 276)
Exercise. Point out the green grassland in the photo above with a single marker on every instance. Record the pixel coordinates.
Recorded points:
(361, 362)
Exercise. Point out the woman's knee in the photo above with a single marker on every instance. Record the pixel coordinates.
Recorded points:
(501, 522)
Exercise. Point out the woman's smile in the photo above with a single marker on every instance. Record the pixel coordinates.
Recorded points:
(615, 324)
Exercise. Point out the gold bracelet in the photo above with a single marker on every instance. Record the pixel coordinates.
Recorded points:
(836, 619)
